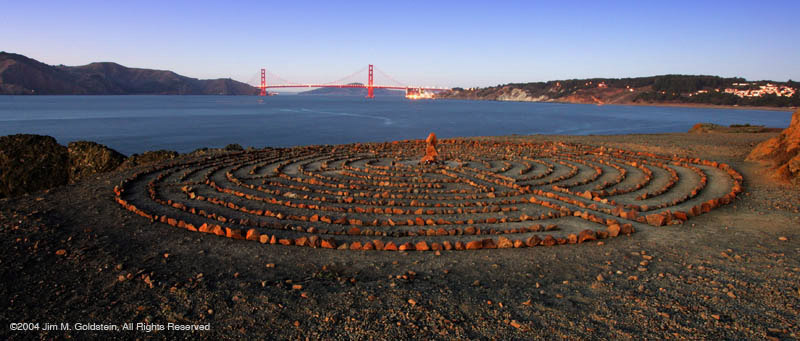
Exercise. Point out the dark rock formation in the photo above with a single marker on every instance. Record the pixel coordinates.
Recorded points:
(88, 158)
(31, 163)
(234, 147)
(148, 158)
(782, 152)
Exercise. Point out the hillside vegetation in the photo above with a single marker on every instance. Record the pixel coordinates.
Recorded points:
(675, 89)
(20, 75)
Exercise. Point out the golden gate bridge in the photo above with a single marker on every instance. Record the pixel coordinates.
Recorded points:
(411, 91)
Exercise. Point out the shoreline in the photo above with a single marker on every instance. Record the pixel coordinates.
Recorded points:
(709, 106)
(675, 105)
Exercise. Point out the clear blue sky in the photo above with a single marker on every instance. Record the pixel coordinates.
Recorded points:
(446, 43)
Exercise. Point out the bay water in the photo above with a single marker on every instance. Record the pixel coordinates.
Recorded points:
(134, 124)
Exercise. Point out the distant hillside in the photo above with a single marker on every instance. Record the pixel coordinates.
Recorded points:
(20, 75)
(665, 89)
(352, 92)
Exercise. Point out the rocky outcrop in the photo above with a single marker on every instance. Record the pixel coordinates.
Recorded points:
(234, 147)
(30, 163)
(705, 128)
(88, 158)
(431, 155)
(516, 95)
(702, 128)
(148, 158)
(782, 152)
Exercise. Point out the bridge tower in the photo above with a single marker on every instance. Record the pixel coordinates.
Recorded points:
(370, 90)
(263, 82)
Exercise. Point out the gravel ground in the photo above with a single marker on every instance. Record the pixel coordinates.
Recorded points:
(72, 255)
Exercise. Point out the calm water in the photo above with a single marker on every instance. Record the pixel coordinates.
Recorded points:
(133, 124)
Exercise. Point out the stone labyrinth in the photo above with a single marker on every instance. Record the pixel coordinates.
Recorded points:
(481, 195)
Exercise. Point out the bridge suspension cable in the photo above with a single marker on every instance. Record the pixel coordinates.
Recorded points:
(271, 80)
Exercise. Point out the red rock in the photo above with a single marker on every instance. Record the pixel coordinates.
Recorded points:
(474, 245)
(628, 215)
(431, 155)
(273, 240)
(572, 238)
(613, 230)
(285, 242)
(782, 152)
(602, 234)
(328, 244)
(681, 215)
(252, 234)
(355, 245)
(233, 233)
(406, 247)
(436, 246)
(447, 245)
(263, 238)
(586, 235)
(459, 246)
(489, 244)
(390, 246)
(378, 244)
(204, 228)
(368, 246)
(504, 243)
(518, 244)
(548, 241)
(218, 230)
(421, 246)
(354, 231)
(656, 219)
(533, 241)
(626, 229)
(470, 230)
(302, 241)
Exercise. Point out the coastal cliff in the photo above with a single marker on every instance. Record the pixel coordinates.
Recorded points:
(657, 90)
